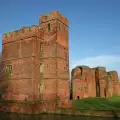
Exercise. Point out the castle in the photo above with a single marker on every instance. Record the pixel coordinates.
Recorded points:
(94, 82)
(35, 65)
(35, 61)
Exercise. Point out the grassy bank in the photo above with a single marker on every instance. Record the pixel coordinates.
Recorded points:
(112, 103)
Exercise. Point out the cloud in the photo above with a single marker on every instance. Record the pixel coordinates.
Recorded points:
(108, 61)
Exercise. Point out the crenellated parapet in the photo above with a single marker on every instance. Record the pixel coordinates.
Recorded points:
(53, 15)
(22, 33)
(26, 32)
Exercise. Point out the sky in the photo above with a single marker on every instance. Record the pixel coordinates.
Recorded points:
(94, 27)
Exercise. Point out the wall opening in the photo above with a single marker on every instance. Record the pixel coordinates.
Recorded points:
(78, 97)
(8, 69)
(81, 70)
(41, 48)
(97, 82)
(41, 80)
(97, 88)
(48, 26)
(41, 67)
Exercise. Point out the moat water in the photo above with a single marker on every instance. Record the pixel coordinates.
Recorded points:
(11, 116)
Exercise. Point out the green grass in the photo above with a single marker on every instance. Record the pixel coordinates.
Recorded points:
(112, 103)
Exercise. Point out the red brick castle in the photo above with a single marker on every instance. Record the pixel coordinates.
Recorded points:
(35, 66)
(35, 61)
(94, 82)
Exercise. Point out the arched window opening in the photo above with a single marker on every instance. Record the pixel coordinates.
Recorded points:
(41, 46)
(8, 69)
(41, 67)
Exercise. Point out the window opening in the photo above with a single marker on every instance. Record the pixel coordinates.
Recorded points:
(9, 69)
(48, 26)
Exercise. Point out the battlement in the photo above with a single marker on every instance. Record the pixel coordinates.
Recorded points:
(53, 15)
(21, 33)
(29, 31)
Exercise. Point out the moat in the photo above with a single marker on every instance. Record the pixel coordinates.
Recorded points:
(12, 116)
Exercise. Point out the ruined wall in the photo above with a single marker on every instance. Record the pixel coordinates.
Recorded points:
(115, 82)
(83, 79)
(100, 73)
(94, 82)
(82, 82)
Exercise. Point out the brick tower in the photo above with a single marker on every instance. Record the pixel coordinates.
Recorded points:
(35, 61)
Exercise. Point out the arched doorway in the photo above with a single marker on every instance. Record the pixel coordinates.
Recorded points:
(78, 97)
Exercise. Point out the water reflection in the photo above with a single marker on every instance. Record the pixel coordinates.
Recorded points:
(10, 116)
